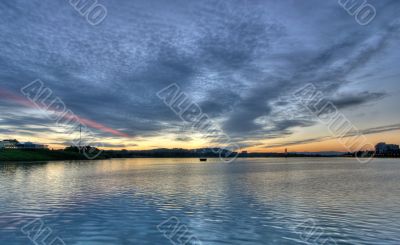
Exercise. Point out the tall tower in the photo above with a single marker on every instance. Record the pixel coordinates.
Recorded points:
(80, 136)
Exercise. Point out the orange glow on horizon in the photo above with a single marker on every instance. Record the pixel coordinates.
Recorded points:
(168, 141)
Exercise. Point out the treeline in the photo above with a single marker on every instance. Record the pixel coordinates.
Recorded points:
(82, 153)
(199, 153)
(168, 153)
(38, 155)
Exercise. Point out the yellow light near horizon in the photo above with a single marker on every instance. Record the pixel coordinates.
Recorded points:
(169, 141)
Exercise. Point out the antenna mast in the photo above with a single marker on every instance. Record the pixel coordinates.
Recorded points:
(80, 136)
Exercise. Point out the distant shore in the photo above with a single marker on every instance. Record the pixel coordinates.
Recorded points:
(39, 155)
(53, 155)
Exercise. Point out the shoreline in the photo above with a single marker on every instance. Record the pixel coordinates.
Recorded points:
(27, 161)
(18, 155)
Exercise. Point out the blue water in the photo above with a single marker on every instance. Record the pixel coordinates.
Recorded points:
(250, 201)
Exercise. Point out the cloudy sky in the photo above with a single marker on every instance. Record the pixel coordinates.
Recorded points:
(239, 60)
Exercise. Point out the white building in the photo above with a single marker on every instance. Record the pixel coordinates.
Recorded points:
(383, 148)
(14, 144)
(8, 144)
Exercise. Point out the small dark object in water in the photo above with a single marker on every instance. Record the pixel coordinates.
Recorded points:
(203, 159)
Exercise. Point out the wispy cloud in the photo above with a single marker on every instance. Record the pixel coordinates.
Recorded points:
(236, 59)
(375, 130)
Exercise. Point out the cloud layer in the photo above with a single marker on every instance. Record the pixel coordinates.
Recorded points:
(239, 60)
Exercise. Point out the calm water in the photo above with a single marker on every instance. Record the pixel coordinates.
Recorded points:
(252, 201)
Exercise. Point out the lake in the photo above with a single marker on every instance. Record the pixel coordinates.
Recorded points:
(184, 201)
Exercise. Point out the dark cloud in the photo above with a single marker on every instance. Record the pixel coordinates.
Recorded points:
(297, 142)
(236, 59)
(348, 100)
(183, 138)
(381, 129)
(109, 145)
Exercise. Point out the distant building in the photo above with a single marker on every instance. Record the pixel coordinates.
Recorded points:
(8, 144)
(244, 154)
(30, 145)
(14, 144)
(383, 148)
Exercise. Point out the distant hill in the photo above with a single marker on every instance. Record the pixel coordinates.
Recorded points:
(321, 153)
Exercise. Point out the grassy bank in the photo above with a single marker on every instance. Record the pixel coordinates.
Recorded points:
(38, 155)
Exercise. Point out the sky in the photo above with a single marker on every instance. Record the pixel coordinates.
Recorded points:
(240, 61)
